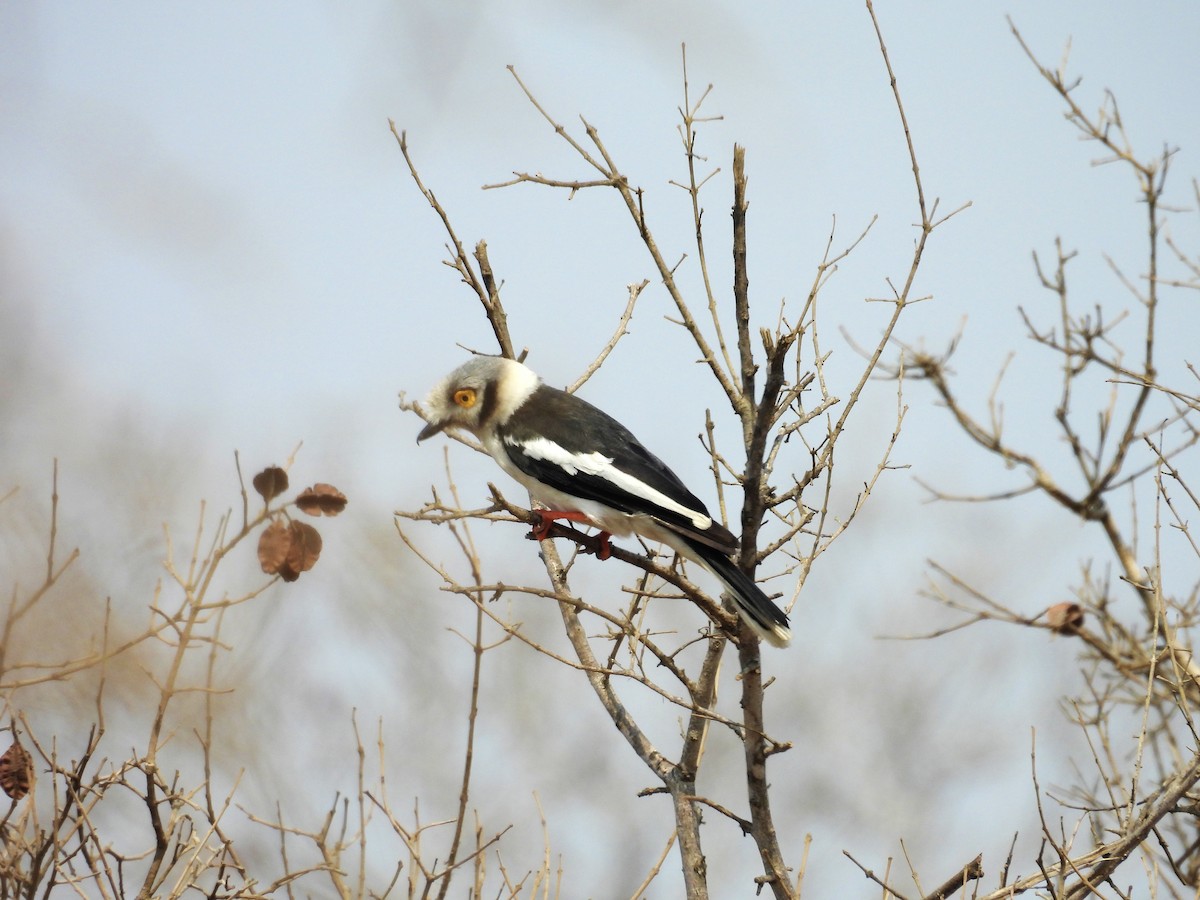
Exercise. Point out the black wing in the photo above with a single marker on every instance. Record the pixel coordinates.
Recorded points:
(580, 429)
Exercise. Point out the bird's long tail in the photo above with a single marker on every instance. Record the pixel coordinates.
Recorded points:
(768, 621)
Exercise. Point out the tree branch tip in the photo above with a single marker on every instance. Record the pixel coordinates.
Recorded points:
(651, 791)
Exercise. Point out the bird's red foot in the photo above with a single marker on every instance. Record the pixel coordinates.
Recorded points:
(601, 545)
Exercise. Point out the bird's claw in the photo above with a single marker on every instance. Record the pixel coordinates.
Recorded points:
(598, 544)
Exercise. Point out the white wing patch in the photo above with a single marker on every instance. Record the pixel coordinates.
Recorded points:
(601, 466)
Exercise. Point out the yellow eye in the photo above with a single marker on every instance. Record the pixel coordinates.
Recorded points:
(465, 397)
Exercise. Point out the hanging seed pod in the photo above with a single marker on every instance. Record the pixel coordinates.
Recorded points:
(16, 771)
(1065, 618)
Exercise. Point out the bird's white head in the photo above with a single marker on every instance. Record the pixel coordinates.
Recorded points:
(478, 394)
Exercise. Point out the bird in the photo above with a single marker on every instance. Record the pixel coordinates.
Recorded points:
(584, 465)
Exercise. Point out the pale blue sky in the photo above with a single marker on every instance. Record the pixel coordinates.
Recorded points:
(207, 234)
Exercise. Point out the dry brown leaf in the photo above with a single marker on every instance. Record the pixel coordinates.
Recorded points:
(270, 482)
(16, 771)
(303, 550)
(273, 546)
(321, 500)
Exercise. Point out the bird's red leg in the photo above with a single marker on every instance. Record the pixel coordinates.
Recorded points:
(544, 522)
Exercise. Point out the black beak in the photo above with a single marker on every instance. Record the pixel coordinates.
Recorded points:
(430, 430)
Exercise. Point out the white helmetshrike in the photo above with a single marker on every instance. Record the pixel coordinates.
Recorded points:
(582, 464)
